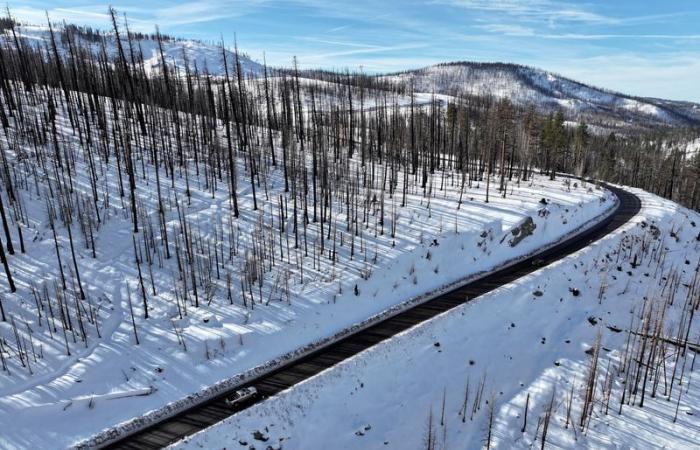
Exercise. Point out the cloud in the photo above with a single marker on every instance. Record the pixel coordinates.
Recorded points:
(336, 29)
(577, 36)
(533, 9)
(37, 16)
(341, 43)
(361, 51)
(203, 11)
(672, 75)
(508, 30)
(142, 18)
(522, 31)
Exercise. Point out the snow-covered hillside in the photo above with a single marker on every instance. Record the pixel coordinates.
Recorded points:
(529, 346)
(526, 85)
(79, 386)
(206, 57)
(163, 241)
(143, 335)
(689, 148)
(522, 85)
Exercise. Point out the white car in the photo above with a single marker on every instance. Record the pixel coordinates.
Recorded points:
(241, 395)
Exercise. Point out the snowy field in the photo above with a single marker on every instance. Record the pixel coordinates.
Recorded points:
(530, 345)
(80, 380)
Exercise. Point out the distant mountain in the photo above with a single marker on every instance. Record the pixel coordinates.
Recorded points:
(524, 85)
(206, 57)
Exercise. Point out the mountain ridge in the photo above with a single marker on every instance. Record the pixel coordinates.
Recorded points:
(523, 85)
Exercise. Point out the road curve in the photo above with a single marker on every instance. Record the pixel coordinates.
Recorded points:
(215, 410)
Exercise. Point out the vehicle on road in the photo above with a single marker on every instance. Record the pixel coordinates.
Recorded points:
(241, 396)
(538, 262)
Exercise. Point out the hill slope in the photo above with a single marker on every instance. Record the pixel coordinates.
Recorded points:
(524, 85)
(177, 52)
(497, 369)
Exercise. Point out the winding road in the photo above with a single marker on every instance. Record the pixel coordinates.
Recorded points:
(212, 411)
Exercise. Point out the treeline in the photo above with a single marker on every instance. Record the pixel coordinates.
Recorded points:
(6, 23)
(527, 137)
(665, 171)
(657, 160)
(660, 162)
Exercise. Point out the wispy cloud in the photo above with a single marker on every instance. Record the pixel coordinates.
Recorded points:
(341, 43)
(672, 76)
(575, 36)
(204, 11)
(78, 15)
(543, 9)
(522, 31)
(336, 29)
(508, 30)
(368, 50)
(143, 18)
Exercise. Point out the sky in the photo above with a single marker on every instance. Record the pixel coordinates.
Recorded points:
(640, 47)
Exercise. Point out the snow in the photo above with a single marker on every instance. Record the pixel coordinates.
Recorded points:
(107, 379)
(521, 85)
(529, 337)
(645, 108)
(207, 57)
(75, 388)
(223, 340)
(525, 85)
(692, 148)
(688, 147)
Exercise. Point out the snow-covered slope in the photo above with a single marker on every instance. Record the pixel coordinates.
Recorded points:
(524, 85)
(113, 362)
(520, 348)
(206, 57)
(108, 380)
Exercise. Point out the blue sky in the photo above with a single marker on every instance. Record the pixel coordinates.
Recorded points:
(640, 47)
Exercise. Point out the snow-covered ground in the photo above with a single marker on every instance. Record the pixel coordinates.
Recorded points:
(108, 379)
(521, 85)
(74, 366)
(61, 381)
(527, 343)
(178, 53)
(530, 86)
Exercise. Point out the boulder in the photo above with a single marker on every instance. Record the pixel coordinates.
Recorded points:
(525, 229)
